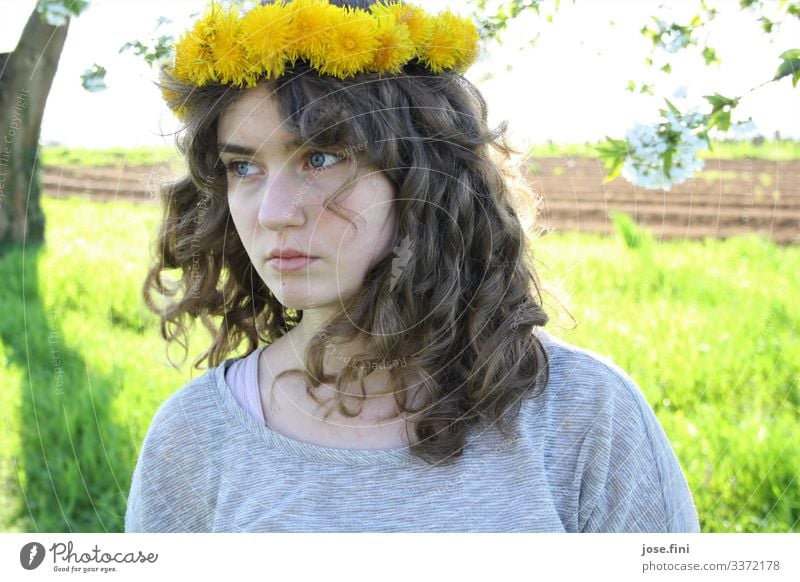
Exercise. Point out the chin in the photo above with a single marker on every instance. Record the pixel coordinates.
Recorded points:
(295, 302)
(298, 301)
(304, 294)
(322, 306)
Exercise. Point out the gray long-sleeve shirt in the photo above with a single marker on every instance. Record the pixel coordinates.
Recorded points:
(588, 455)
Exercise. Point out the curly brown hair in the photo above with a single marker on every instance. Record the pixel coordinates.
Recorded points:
(462, 314)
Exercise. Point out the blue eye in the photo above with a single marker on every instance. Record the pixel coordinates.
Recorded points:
(238, 168)
(317, 159)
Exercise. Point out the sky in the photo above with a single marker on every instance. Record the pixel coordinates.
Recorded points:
(568, 88)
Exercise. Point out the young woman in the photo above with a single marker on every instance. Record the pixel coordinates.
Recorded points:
(347, 215)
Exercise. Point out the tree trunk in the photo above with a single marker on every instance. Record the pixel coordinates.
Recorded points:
(26, 76)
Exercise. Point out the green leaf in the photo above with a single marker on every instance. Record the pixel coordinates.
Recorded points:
(137, 47)
(667, 68)
(613, 153)
(164, 46)
(631, 86)
(720, 119)
(162, 49)
(93, 79)
(58, 12)
(668, 160)
(710, 55)
(611, 148)
(711, 13)
(614, 169)
(789, 66)
(719, 102)
(672, 108)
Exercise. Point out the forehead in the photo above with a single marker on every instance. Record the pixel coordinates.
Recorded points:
(253, 119)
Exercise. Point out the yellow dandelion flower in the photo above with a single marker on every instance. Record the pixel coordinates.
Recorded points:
(182, 113)
(309, 19)
(230, 56)
(441, 52)
(419, 23)
(188, 51)
(169, 96)
(222, 47)
(466, 46)
(395, 48)
(193, 56)
(249, 78)
(266, 35)
(350, 44)
(173, 98)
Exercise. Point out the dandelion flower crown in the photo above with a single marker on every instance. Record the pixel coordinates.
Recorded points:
(230, 48)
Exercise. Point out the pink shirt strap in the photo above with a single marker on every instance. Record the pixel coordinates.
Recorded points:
(242, 378)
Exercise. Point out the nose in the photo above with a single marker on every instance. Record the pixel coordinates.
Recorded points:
(281, 202)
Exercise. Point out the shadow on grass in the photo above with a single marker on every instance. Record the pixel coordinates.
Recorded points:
(70, 470)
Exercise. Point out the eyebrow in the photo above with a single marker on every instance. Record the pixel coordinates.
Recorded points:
(232, 148)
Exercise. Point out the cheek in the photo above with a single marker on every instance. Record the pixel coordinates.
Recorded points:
(385, 237)
(385, 215)
(377, 224)
(243, 220)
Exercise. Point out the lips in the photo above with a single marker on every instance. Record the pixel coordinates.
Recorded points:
(286, 264)
(287, 259)
(287, 253)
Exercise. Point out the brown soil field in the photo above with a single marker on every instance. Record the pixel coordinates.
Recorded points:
(730, 197)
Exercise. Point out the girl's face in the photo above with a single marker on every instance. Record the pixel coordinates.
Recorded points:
(276, 191)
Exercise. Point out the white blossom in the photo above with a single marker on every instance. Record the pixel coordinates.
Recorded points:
(673, 41)
(644, 165)
(681, 92)
(55, 13)
(94, 84)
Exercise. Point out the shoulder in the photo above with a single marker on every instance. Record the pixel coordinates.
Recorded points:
(589, 399)
(587, 382)
(176, 457)
(607, 445)
(189, 413)
(593, 397)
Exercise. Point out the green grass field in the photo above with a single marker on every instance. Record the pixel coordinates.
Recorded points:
(53, 155)
(776, 150)
(708, 331)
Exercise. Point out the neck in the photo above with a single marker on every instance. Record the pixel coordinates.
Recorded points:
(337, 356)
